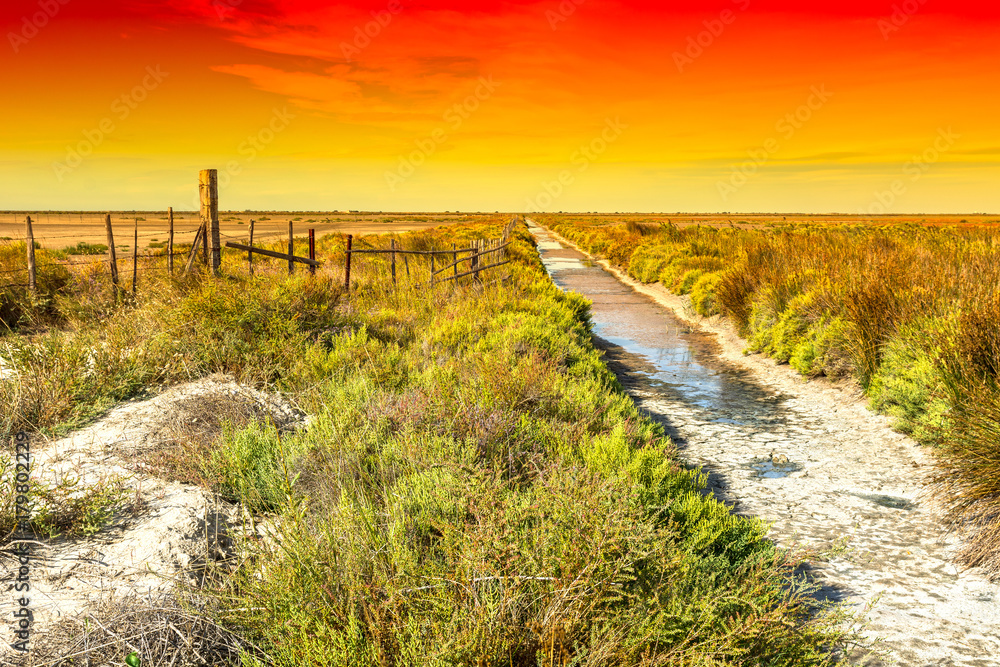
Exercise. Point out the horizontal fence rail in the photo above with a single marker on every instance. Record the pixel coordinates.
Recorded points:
(272, 253)
(482, 255)
(475, 256)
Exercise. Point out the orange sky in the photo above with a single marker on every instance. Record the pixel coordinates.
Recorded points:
(604, 105)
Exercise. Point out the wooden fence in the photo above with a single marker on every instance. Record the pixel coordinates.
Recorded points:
(477, 256)
(476, 259)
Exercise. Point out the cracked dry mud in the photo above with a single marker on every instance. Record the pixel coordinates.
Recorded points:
(851, 485)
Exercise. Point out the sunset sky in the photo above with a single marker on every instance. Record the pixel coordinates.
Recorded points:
(580, 105)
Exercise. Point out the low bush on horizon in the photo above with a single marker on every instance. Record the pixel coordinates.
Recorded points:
(910, 311)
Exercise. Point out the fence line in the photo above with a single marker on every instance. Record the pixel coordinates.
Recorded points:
(479, 251)
(473, 255)
(208, 238)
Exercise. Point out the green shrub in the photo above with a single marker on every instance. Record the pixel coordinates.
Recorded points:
(703, 294)
(18, 307)
(688, 281)
(251, 464)
(61, 507)
(909, 387)
(84, 248)
(823, 350)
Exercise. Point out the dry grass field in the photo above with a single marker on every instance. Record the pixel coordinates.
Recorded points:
(745, 220)
(56, 230)
(60, 230)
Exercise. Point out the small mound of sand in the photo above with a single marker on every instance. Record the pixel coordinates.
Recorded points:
(169, 531)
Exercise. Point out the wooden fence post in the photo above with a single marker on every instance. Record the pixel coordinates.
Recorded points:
(194, 249)
(312, 250)
(477, 252)
(112, 256)
(433, 268)
(291, 247)
(250, 252)
(170, 241)
(392, 245)
(135, 257)
(208, 186)
(347, 265)
(406, 263)
(454, 259)
(29, 234)
(204, 243)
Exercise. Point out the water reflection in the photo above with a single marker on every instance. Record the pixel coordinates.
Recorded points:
(648, 346)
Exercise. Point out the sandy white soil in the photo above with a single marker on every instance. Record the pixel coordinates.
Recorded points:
(163, 537)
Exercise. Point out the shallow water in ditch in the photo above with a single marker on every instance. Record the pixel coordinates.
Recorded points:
(828, 475)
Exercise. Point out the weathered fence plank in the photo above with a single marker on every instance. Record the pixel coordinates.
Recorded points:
(292, 259)
(469, 273)
(112, 256)
(170, 241)
(347, 264)
(250, 251)
(194, 249)
(29, 235)
(392, 244)
(208, 187)
(135, 258)
(312, 250)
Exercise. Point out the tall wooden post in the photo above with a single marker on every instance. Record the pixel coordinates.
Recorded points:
(135, 257)
(312, 250)
(170, 241)
(112, 256)
(347, 265)
(250, 252)
(392, 245)
(433, 268)
(29, 235)
(208, 186)
(454, 260)
(291, 248)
